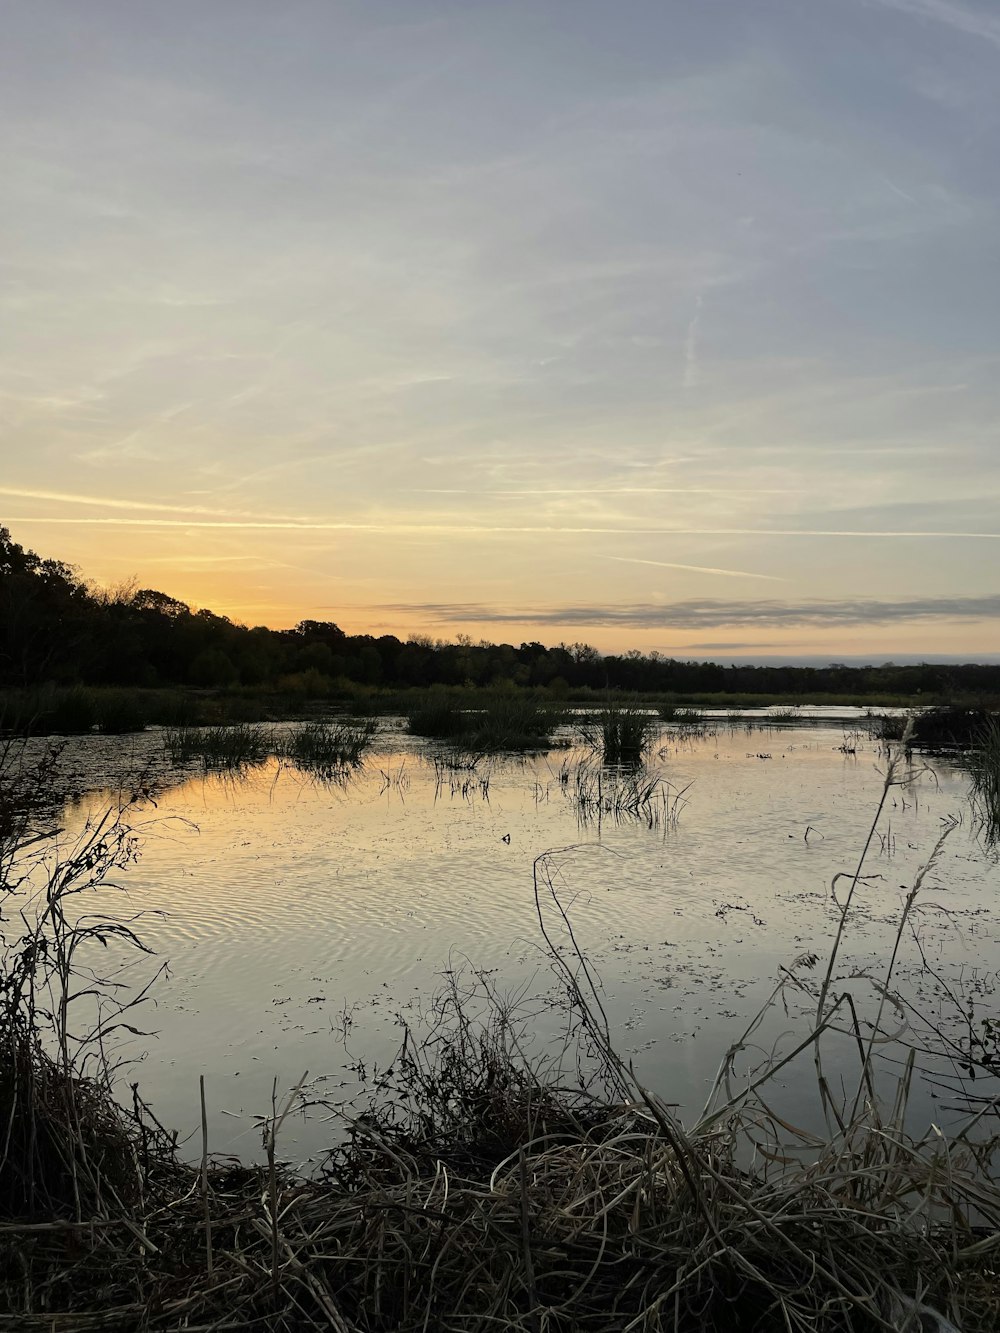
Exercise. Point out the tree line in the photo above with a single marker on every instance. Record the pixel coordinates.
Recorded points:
(56, 628)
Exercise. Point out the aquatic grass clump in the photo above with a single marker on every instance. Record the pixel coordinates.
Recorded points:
(619, 732)
(436, 717)
(121, 711)
(949, 728)
(512, 722)
(239, 745)
(984, 770)
(506, 721)
(885, 726)
(325, 747)
(783, 717)
(462, 774)
(686, 717)
(622, 795)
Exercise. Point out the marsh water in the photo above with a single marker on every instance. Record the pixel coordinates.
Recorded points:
(300, 919)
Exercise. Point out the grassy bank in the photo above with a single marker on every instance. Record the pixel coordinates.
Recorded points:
(485, 1182)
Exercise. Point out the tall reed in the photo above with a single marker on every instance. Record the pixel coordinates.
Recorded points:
(619, 732)
(984, 769)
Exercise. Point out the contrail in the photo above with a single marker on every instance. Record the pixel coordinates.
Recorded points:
(697, 569)
(606, 490)
(107, 502)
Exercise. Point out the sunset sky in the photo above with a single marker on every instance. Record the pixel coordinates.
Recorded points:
(654, 323)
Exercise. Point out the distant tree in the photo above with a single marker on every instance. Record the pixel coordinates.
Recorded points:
(148, 599)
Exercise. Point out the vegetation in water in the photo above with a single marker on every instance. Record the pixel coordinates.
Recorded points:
(326, 748)
(317, 747)
(619, 732)
(984, 768)
(621, 795)
(506, 721)
(242, 745)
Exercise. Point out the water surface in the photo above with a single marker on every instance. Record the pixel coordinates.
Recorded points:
(295, 911)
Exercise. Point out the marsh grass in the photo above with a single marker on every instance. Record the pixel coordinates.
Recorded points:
(240, 745)
(320, 748)
(462, 774)
(325, 747)
(490, 1178)
(782, 717)
(622, 795)
(620, 733)
(506, 721)
(694, 717)
(436, 717)
(513, 722)
(984, 770)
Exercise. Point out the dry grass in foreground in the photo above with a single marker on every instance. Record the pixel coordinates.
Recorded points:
(483, 1188)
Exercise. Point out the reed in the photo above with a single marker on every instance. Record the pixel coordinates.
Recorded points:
(240, 745)
(436, 717)
(325, 748)
(620, 733)
(984, 770)
(506, 721)
(622, 795)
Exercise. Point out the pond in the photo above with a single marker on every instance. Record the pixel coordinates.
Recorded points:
(299, 918)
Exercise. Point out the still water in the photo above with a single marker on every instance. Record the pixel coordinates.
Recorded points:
(293, 913)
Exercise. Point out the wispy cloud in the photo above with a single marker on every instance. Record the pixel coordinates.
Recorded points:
(116, 502)
(697, 569)
(707, 613)
(972, 22)
(475, 529)
(494, 491)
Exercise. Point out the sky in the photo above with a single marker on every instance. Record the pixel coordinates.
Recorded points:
(653, 324)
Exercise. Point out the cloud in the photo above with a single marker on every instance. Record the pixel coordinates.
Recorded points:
(109, 502)
(732, 647)
(709, 613)
(486, 530)
(961, 18)
(494, 492)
